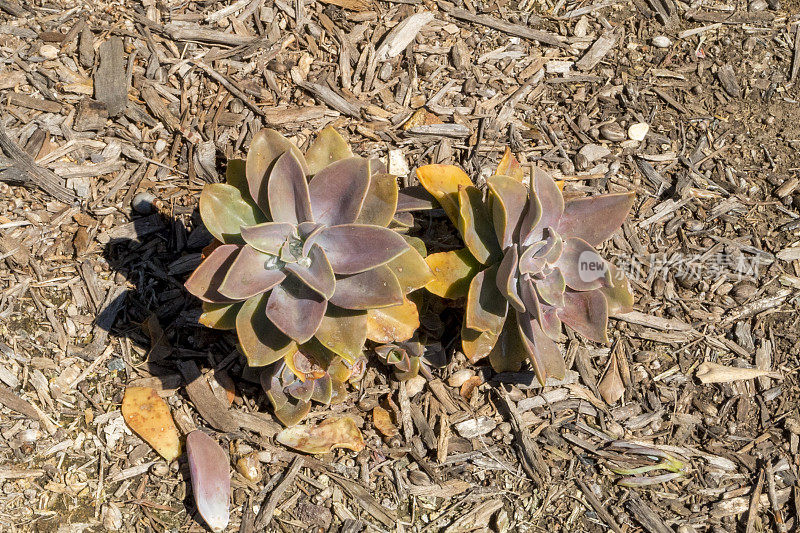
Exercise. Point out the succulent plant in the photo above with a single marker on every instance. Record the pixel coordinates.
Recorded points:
(301, 259)
(403, 357)
(529, 264)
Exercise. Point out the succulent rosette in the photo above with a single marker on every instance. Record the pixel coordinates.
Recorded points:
(305, 252)
(402, 357)
(529, 264)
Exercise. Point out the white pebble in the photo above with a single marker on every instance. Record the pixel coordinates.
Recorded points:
(397, 163)
(581, 27)
(415, 385)
(48, 51)
(460, 377)
(638, 131)
(661, 41)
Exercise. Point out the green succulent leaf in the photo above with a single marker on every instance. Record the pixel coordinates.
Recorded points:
(411, 270)
(220, 316)
(370, 289)
(249, 274)
(267, 237)
(206, 279)
(260, 340)
(508, 277)
(443, 182)
(296, 309)
(486, 306)
(338, 191)
(545, 357)
(509, 198)
(415, 198)
(354, 248)
(477, 344)
(618, 296)
(224, 212)
(315, 271)
(380, 204)
(509, 352)
(343, 331)
(236, 176)
(265, 148)
(476, 227)
(327, 148)
(323, 390)
(509, 166)
(596, 218)
(288, 191)
(587, 313)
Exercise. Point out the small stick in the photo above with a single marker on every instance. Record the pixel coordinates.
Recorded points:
(265, 513)
(780, 525)
(755, 498)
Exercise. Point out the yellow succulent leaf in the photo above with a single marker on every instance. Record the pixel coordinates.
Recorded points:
(452, 273)
(509, 166)
(443, 182)
(148, 415)
(393, 324)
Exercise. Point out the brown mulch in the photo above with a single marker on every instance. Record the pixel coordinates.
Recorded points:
(114, 116)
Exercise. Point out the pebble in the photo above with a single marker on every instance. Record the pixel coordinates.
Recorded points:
(638, 131)
(589, 154)
(144, 203)
(48, 51)
(111, 517)
(613, 132)
(758, 5)
(460, 377)
(415, 385)
(475, 427)
(744, 290)
(581, 27)
(661, 41)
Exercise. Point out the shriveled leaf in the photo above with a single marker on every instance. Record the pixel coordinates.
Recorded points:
(354, 248)
(235, 175)
(267, 237)
(477, 344)
(393, 324)
(509, 198)
(619, 297)
(370, 289)
(596, 218)
(382, 421)
(262, 343)
(148, 415)
(475, 225)
(211, 479)
(543, 353)
(328, 147)
(507, 278)
(551, 201)
(443, 182)
(340, 432)
(287, 191)
(265, 148)
(452, 272)
(509, 166)
(611, 387)
(206, 279)
(582, 266)
(338, 191)
(296, 309)
(380, 204)
(411, 270)
(486, 306)
(509, 351)
(343, 331)
(220, 316)
(224, 212)
(415, 198)
(587, 313)
(317, 273)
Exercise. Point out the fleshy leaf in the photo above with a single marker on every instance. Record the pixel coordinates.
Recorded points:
(224, 212)
(414, 198)
(551, 288)
(382, 421)
(477, 344)
(323, 389)
(267, 237)
(328, 147)
(509, 198)
(220, 316)
(543, 353)
(148, 415)
(582, 266)
(265, 148)
(507, 277)
(370, 289)
(338, 191)
(551, 324)
(393, 324)
(354, 248)
(296, 309)
(509, 352)
(380, 204)
(211, 479)
(550, 199)
(443, 182)
(619, 296)
(509, 166)
(292, 412)
(411, 270)
(596, 218)
(332, 433)
(475, 225)
(261, 341)
(235, 175)
(611, 387)
(343, 332)
(288, 191)
(206, 279)
(486, 306)
(317, 273)
(587, 313)
(249, 275)
(452, 272)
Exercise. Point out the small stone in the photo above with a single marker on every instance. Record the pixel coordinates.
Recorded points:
(415, 385)
(159, 146)
(589, 154)
(638, 131)
(397, 163)
(144, 203)
(249, 467)
(418, 478)
(111, 517)
(48, 51)
(774, 5)
(475, 427)
(501, 521)
(581, 27)
(661, 41)
(613, 132)
(159, 469)
(458, 378)
(743, 291)
(758, 5)
(81, 186)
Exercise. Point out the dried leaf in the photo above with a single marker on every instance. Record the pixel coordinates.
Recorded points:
(322, 438)
(159, 345)
(383, 422)
(611, 387)
(148, 415)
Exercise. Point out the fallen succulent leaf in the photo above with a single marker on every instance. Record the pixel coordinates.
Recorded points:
(469, 386)
(611, 387)
(383, 422)
(211, 479)
(332, 433)
(148, 415)
(715, 373)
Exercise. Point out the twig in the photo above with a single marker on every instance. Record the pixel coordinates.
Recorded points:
(752, 512)
(235, 91)
(530, 458)
(265, 513)
(506, 27)
(598, 507)
(780, 525)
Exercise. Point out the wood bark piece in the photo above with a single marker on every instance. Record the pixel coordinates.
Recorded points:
(10, 399)
(598, 507)
(402, 35)
(530, 458)
(159, 109)
(110, 79)
(29, 102)
(727, 77)
(195, 32)
(517, 30)
(332, 98)
(366, 500)
(210, 408)
(642, 513)
(601, 47)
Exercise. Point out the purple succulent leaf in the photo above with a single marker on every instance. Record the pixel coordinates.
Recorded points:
(261, 341)
(486, 306)
(551, 288)
(267, 237)
(551, 324)
(224, 212)
(337, 192)
(327, 148)
(587, 313)
(507, 278)
(531, 261)
(533, 215)
(380, 204)
(509, 352)
(402, 221)
(300, 390)
(265, 148)
(415, 198)
(354, 248)
(545, 357)
(343, 331)
(509, 199)
(206, 279)
(619, 296)
(554, 247)
(596, 218)
(376, 166)
(317, 274)
(323, 389)
(582, 266)
(249, 275)
(288, 191)
(370, 289)
(550, 199)
(296, 309)
(211, 479)
(272, 385)
(475, 225)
